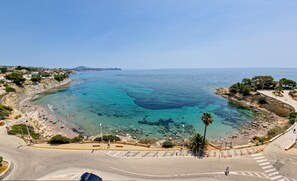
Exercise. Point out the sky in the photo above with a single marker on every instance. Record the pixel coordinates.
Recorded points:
(150, 34)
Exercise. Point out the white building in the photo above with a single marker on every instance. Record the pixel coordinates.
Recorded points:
(34, 73)
(2, 76)
(27, 76)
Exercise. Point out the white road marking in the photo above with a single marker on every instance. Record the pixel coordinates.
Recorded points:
(260, 161)
(270, 170)
(258, 174)
(258, 154)
(273, 174)
(250, 173)
(265, 163)
(117, 153)
(170, 176)
(260, 157)
(75, 176)
(266, 167)
(276, 177)
(282, 179)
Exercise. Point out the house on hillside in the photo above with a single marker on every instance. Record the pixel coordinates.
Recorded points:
(34, 73)
(27, 76)
(2, 77)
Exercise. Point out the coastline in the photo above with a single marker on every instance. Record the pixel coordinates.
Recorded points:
(45, 122)
(263, 122)
(48, 123)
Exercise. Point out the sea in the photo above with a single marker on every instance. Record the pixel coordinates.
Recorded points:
(159, 104)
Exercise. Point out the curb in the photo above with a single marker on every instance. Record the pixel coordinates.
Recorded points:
(8, 171)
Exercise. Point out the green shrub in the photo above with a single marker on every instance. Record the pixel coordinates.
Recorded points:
(108, 138)
(36, 78)
(260, 140)
(3, 69)
(4, 111)
(1, 159)
(60, 77)
(44, 74)
(9, 89)
(21, 129)
(293, 117)
(148, 141)
(16, 77)
(167, 144)
(59, 139)
(77, 139)
(274, 131)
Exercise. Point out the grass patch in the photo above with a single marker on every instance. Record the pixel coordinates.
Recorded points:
(21, 129)
(3, 168)
(4, 111)
(148, 141)
(275, 131)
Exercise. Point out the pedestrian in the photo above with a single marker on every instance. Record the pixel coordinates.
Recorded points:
(227, 171)
(294, 131)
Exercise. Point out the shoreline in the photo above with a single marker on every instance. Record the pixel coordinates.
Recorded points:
(45, 122)
(260, 126)
(48, 123)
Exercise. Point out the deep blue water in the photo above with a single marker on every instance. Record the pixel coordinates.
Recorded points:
(154, 103)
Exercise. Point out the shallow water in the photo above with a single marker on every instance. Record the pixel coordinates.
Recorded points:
(154, 103)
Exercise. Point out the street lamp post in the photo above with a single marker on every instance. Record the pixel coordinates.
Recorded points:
(101, 133)
(183, 141)
(28, 131)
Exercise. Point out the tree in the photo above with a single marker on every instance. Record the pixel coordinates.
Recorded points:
(61, 77)
(16, 77)
(246, 81)
(3, 69)
(287, 83)
(235, 88)
(244, 89)
(36, 78)
(263, 82)
(207, 119)
(195, 143)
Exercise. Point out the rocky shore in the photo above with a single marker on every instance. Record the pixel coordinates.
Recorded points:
(270, 113)
(44, 121)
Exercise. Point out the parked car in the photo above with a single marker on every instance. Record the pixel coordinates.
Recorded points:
(90, 177)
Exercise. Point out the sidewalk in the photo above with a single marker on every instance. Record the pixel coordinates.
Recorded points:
(184, 153)
(287, 140)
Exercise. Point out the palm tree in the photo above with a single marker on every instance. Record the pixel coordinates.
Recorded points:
(195, 143)
(207, 119)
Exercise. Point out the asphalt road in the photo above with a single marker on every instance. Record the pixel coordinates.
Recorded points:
(31, 163)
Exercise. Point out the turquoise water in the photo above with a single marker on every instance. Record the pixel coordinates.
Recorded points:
(154, 103)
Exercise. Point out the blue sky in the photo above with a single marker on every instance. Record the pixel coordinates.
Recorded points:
(135, 34)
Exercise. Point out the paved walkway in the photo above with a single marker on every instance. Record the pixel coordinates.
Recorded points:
(183, 153)
(287, 140)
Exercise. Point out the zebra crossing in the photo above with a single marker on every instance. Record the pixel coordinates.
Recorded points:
(268, 168)
(148, 154)
(252, 174)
